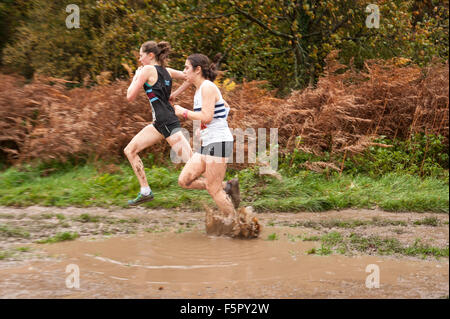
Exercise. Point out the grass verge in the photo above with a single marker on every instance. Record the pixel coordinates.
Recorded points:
(59, 237)
(307, 191)
(336, 242)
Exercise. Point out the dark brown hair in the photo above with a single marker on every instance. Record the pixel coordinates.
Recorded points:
(209, 70)
(161, 50)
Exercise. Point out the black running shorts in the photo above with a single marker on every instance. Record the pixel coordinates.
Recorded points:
(167, 129)
(220, 149)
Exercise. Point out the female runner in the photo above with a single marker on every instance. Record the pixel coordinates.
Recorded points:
(217, 145)
(156, 80)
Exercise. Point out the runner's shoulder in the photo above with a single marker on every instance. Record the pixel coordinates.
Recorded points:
(209, 86)
(149, 68)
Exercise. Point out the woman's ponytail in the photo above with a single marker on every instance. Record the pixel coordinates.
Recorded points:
(163, 53)
(209, 70)
(161, 50)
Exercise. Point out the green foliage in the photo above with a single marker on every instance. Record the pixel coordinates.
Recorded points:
(161, 177)
(12, 13)
(4, 254)
(322, 251)
(304, 191)
(13, 177)
(272, 236)
(429, 221)
(381, 245)
(9, 231)
(311, 238)
(105, 39)
(59, 237)
(335, 241)
(291, 163)
(283, 42)
(419, 248)
(86, 218)
(424, 155)
(332, 238)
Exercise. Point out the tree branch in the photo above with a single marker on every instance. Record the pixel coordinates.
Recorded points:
(192, 17)
(340, 24)
(262, 25)
(275, 53)
(337, 26)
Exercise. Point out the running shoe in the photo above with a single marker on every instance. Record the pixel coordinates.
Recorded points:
(141, 199)
(232, 189)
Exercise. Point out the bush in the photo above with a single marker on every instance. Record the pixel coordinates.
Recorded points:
(424, 155)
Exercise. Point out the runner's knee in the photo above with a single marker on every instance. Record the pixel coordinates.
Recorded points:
(184, 181)
(129, 150)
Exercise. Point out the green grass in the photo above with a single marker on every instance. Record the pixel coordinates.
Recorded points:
(155, 230)
(293, 238)
(332, 239)
(86, 218)
(314, 192)
(60, 216)
(311, 238)
(9, 231)
(429, 221)
(337, 223)
(336, 242)
(322, 251)
(425, 250)
(83, 186)
(59, 237)
(4, 254)
(180, 230)
(306, 191)
(272, 236)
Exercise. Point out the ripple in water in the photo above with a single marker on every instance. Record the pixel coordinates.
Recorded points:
(196, 247)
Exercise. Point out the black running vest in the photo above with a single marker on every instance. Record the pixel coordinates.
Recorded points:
(158, 95)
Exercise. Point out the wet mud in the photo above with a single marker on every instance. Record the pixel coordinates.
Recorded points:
(244, 224)
(171, 255)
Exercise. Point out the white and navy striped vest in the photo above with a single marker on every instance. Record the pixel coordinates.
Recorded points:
(217, 130)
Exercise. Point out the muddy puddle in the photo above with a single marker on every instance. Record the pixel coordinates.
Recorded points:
(193, 265)
(169, 255)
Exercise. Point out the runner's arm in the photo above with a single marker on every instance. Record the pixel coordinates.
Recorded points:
(207, 113)
(141, 76)
(178, 91)
(175, 74)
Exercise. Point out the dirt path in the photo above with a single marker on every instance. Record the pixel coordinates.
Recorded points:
(141, 253)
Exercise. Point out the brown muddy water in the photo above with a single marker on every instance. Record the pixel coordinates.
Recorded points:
(169, 255)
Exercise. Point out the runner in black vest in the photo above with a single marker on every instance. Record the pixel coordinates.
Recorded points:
(165, 120)
(157, 83)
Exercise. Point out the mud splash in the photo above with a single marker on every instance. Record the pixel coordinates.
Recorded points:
(244, 225)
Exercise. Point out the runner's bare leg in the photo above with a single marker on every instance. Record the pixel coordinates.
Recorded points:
(180, 146)
(145, 138)
(190, 175)
(214, 174)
